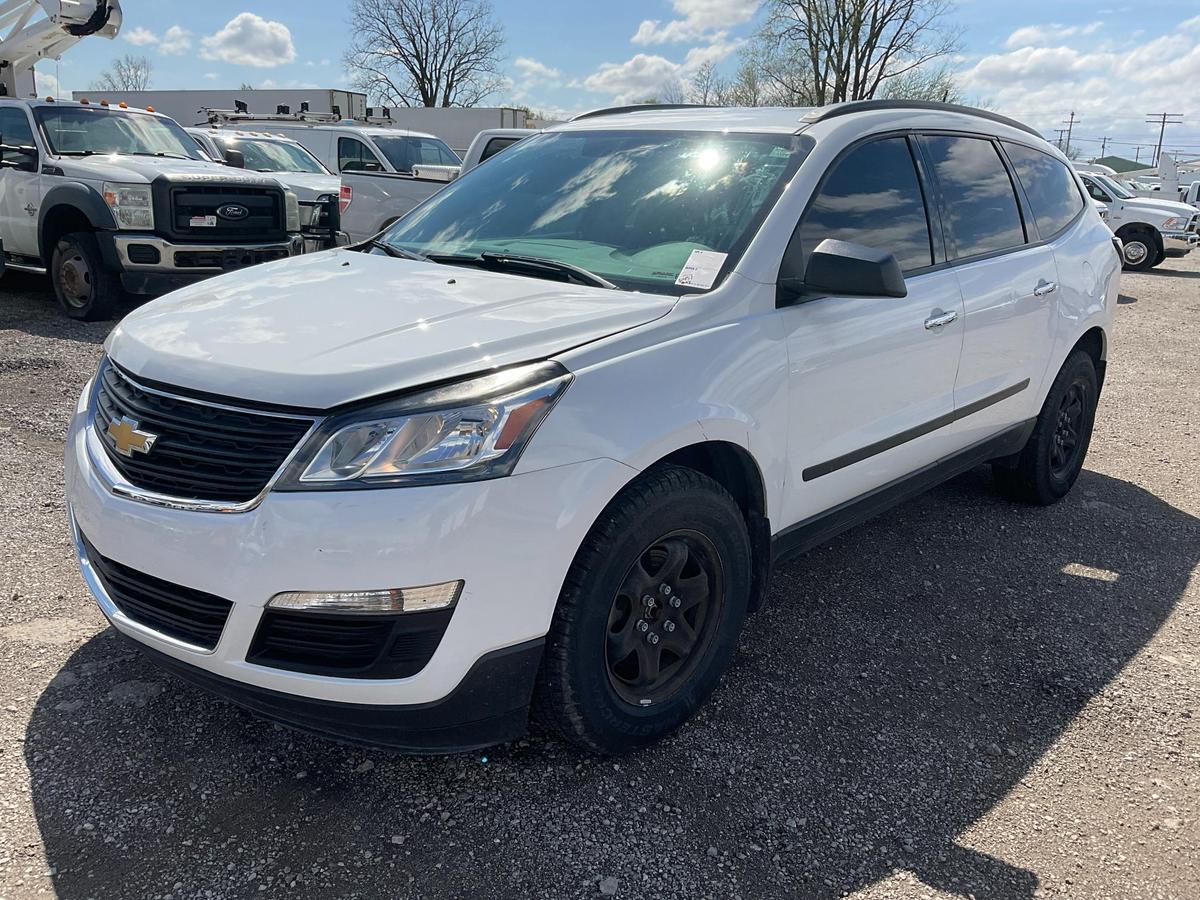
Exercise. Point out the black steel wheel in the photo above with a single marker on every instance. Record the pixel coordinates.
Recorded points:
(662, 617)
(1049, 463)
(649, 614)
(85, 288)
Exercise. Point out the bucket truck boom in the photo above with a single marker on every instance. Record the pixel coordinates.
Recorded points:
(24, 40)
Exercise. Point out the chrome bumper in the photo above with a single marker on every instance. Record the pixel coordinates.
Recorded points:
(167, 264)
(1180, 241)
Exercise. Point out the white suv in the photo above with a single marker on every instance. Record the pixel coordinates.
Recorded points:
(541, 443)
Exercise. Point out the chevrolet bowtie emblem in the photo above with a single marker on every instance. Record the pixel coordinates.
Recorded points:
(126, 437)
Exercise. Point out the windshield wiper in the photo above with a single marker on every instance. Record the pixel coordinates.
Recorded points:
(492, 259)
(396, 252)
(159, 153)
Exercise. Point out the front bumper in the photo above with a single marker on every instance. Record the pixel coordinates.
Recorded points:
(1179, 243)
(150, 264)
(510, 540)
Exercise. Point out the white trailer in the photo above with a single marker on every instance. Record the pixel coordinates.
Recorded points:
(188, 107)
(457, 127)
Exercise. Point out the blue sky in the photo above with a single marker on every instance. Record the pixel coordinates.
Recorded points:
(1111, 63)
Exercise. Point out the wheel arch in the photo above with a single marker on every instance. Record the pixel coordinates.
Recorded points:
(1094, 342)
(1131, 228)
(735, 469)
(70, 207)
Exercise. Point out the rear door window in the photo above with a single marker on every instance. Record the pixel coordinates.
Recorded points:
(979, 205)
(872, 196)
(1048, 184)
(355, 156)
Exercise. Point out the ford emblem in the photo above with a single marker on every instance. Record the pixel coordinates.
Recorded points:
(232, 211)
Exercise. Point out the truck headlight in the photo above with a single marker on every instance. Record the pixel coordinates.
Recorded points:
(1171, 222)
(468, 431)
(291, 207)
(131, 205)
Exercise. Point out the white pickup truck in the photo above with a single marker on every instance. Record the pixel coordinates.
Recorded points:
(1150, 229)
(106, 199)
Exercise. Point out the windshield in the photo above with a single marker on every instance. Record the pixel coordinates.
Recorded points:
(83, 130)
(405, 152)
(265, 155)
(630, 206)
(1114, 187)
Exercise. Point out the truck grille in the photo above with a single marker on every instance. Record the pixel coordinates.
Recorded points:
(201, 451)
(196, 213)
(183, 613)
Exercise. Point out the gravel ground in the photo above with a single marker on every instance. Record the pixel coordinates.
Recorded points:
(963, 698)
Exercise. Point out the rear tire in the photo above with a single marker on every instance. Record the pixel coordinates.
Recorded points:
(85, 289)
(1053, 456)
(649, 614)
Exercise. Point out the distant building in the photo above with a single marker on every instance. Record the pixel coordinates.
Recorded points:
(1120, 164)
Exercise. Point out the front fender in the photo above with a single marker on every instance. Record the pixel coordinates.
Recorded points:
(77, 196)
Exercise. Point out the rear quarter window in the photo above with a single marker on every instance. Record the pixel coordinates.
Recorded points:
(1048, 184)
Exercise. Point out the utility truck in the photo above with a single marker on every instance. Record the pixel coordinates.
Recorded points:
(107, 199)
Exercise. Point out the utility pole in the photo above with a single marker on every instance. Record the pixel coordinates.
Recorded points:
(1103, 146)
(1058, 141)
(1162, 120)
(1137, 153)
(1070, 123)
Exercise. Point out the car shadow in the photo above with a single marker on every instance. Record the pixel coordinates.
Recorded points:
(900, 682)
(1125, 298)
(1161, 269)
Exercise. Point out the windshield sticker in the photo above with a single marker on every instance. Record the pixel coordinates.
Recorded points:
(701, 269)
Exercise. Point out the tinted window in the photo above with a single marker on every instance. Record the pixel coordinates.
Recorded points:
(1048, 185)
(355, 156)
(405, 152)
(494, 146)
(872, 197)
(980, 207)
(15, 132)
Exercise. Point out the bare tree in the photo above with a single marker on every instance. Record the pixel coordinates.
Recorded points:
(426, 52)
(708, 86)
(835, 50)
(129, 73)
(673, 91)
(931, 83)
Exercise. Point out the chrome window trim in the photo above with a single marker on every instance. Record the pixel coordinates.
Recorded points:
(122, 487)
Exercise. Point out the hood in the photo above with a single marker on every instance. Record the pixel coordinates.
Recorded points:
(136, 169)
(1164, 207)
(307, 185)
(329, 328)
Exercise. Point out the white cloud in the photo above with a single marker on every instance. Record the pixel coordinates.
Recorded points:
(211, 76)
(46, 84)
(139, 36)
(1110, 87)
(1048, 35)
(532, 70)
(696, 19)
(251, 40)
(175, 40)
(645, 75)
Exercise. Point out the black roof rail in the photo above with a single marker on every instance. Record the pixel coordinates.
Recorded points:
(822, 113)
(637, 107)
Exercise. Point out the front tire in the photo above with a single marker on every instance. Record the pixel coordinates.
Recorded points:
(1053, 456)
(1140, 253)
(85, 289)
(649, 614)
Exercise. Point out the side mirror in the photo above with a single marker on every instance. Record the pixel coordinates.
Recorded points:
(843, 269)
(235, 158)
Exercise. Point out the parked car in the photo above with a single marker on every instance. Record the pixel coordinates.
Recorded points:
(1190, 194)
(542, 441)
(385, 171)
(318, 190)
(106, 200)
(490, 142)
(1150, 229)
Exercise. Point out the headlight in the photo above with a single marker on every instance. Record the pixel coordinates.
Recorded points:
(1172, 222)
(292, 207)
(468, 431)
(131, 204)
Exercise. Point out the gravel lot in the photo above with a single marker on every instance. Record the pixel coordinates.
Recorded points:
(961, 698)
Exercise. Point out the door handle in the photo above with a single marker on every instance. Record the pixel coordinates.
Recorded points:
(1045, 287)
(939, 320)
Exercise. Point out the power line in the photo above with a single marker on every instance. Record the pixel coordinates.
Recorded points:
(1162, 120)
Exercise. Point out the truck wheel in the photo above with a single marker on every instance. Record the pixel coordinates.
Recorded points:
(1140, 253)
(649, 614)
(84, 288)
(1053, 456)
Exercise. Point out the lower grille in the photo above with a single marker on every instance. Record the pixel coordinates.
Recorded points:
(200, 451)
(227, 260)
(186, 614)
(348, 645)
